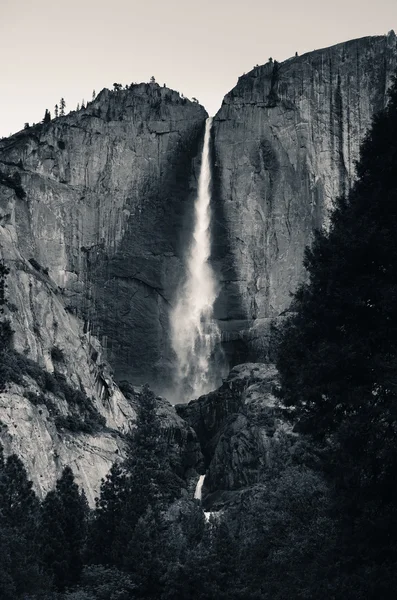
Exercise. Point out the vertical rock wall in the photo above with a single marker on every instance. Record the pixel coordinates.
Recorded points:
(285, 144)
(106, 206)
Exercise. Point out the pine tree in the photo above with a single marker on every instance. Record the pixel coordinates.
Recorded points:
(107, 516)
(56, 111)
(18, 502)
(146, 457)
(63, 531)
(62, 106)
(338, 358)
(20, 572)
(144, 557)
(150, 480)
(93, 95)
(339, 351)
(47, 116)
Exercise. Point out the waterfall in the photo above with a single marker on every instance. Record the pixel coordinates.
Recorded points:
(199, 487)
(197, 495)
(194, 332)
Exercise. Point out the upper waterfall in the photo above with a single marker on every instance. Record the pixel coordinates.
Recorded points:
(194, 331)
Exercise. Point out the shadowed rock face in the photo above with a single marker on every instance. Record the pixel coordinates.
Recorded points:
(92, 211)
(235, 425)
(108, 202)
(285, 144)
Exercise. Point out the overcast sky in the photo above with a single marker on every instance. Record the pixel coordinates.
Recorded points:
(54, 48)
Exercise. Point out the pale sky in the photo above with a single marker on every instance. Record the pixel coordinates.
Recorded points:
(54, 48)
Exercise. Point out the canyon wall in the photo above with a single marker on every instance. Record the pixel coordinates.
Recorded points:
(93, 209)
(107, 202)
(96, 211)
(285, 144)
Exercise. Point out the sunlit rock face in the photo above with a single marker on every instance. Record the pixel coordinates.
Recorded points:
(285, 144)
(109, 196)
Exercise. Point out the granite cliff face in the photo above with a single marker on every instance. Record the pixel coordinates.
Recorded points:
(92, 210)
(235, 425)
(107, 202)
(109, 196)
(95, 216)
(285, 144)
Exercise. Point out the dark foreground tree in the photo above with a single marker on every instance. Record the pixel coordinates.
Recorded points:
(338, 361)
(107, 516)
(47, 116)
(18, 503)
(63, 531)
(339, 352)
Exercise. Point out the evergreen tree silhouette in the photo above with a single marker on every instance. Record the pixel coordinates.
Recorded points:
(339, 351)
(338, 360)
(47, 116)
(107, 516)
(63, 531)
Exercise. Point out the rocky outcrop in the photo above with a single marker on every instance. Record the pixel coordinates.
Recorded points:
(101, 200)
(235, 425)
(285, 144)
(57, 372)
(29, 431)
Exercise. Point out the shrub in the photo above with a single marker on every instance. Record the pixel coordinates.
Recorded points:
(57, 354)
(13, 182)
(75, 423)
(84, 416)
(37, 399)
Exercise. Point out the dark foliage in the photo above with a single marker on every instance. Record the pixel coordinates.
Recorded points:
(57, 354)
(47, 116)
(63, 523)
(13, 182)
(339, 350)
(338, 362)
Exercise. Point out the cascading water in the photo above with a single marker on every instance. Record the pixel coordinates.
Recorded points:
(199, 488)
(198, 496)
(195, 334)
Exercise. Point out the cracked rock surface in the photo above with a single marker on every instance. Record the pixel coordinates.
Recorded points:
(107, 205)
(285, 144)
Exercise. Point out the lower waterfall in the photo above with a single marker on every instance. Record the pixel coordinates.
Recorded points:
(198, 495)
(195, 334)
(199, 487)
